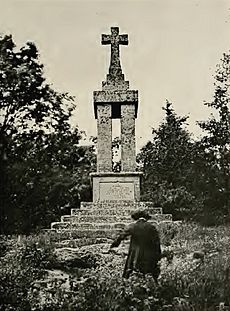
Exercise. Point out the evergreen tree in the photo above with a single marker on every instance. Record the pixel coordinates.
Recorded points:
(167, 163)
(216, 144)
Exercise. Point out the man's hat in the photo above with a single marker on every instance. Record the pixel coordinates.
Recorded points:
(140, 214)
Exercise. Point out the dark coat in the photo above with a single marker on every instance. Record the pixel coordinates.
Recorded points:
(144, 249)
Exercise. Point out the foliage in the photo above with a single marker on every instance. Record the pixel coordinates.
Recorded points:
(19, 268)
(44, 171)
(167, 163)
(26, 101)
(51, 175)
(216, 144)
(186, 283)
(191, 178)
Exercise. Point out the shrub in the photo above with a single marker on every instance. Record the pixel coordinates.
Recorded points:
(19, 269)
(186, 282)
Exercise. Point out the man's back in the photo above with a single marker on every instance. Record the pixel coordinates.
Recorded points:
(145, 237)
(143, 233)
(144, 249)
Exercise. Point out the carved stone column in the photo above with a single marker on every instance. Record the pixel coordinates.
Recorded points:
(128, 143)
(104, 138)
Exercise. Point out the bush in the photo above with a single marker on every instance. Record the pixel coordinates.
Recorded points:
(19, 269)
(187, 282)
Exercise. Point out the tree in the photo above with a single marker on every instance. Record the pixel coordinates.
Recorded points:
(167, 163)
(216, 143)
(26, 101)
(51, 175)
(34, 128)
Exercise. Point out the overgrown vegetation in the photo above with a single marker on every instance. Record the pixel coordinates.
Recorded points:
(197, 278)
(44, 170)
(190, 178)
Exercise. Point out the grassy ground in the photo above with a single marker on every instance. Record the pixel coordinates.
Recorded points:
(34, 275)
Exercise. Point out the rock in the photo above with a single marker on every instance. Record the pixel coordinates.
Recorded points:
(75, 258)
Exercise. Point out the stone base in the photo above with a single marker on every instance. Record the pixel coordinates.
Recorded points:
(122, 186)
(105, 219)
(76, 238)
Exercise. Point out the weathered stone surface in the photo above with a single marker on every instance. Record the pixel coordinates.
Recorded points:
(93, 218)
(115, 100)
(128, 143)
(116, 93)
(116, 186)
(115, 72)
(104, 139)
(85, 233)
(118, 96)
(102, 222)
(87, 225)
(110, 219)
(122, 205)
(63, 234)
(75, 238)
(114, 211)
(120, 191)
(74, 258)
(101, 232)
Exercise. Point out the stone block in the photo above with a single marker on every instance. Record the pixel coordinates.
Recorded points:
(110, 218)
(87, 225)
(128, 142)
(123, 186)
(122, 205)
(95, 218)
(104, 138)
(121, 212)
(111, 212)
(106, 219)
(115, 96)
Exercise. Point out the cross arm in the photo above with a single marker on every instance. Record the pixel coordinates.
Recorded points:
(105, 39)
(123, 39)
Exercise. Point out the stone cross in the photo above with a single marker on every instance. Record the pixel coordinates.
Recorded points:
(115, 101)
(115, 40)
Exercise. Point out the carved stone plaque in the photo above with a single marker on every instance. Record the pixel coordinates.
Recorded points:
(110, 191)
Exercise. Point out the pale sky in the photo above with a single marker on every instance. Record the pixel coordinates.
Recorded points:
(174, 47)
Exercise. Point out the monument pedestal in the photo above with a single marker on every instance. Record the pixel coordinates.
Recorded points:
(111, 186)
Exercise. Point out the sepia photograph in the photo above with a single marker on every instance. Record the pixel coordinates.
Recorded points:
(114, 155)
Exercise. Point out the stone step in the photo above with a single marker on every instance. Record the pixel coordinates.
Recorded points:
(60, 234)
(87, 225)
(111, 211)
(109, 218)
(63, 234)
(100, 225)
(118, 204)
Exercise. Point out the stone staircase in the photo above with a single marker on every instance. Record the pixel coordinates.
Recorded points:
(105, 219)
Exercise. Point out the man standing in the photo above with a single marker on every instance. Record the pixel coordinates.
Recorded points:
(144, 249)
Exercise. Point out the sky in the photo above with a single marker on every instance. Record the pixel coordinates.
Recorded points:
(174, 47)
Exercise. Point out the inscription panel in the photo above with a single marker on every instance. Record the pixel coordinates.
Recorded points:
(110, 191)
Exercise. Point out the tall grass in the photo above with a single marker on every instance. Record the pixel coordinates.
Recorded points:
(187, 283)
